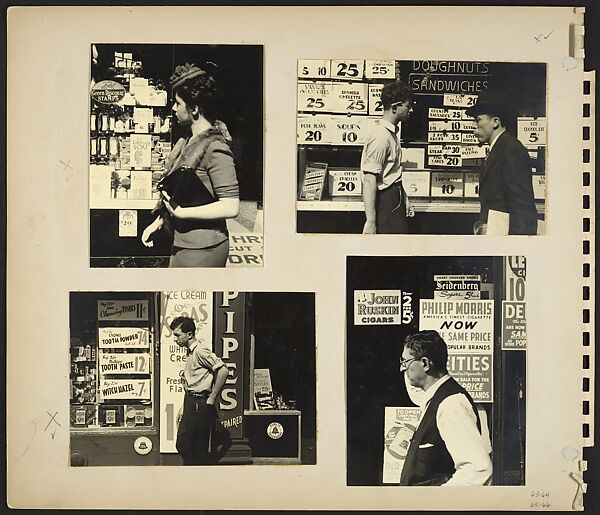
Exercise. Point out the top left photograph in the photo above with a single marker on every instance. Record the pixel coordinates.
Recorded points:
(176, 156)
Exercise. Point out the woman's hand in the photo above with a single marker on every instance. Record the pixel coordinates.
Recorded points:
(150, 230)
(172, 207)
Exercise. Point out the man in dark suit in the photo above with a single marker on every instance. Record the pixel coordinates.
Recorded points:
(505, 179)
(448, 447)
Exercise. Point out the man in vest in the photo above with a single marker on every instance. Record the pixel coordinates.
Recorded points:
(448, 447)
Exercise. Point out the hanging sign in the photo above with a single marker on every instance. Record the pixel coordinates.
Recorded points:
(119, 364)
(349, 69)
(382, 307)
(453, 100)
(123, 310)
(123, 338)
(445, 160)
(108, 92)
(380, 69)
(346, 130)
(446, 184)
(473, 152)
(350, 98)
(313, 68)
(314, 96)
(313, 130)
(539, 186)
(198, 306)
(467, 327)
(119, 389)
(531, 131)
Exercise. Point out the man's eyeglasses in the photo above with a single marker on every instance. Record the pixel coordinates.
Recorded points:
(405, 362)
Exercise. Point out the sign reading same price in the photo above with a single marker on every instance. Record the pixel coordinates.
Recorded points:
(124, 363)
(446, 184)
(313, 68)
(345, 183)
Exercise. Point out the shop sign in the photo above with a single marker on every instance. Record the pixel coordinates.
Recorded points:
(349, 69)
(467, 327)
(108, 92)
(350, 98)
(460, 100)
(428, 84)
(375, 103)
(463, 287)
(380, 69)
(515, 275)
(245, 250)
(399, 425)
(123, 338)
(230, 329)
(531, 131)
(313, 130)
(119, 389)
(416, 183)
(140, 154)
(123, 310)
(315, 96)
(452, 67)
(119, 364)
(313, 68)
(514, 326)
(345, 130)
(263, 390)
(446, 184)
(345, 183)
(471, 185)
(382, 307)
(198, 305)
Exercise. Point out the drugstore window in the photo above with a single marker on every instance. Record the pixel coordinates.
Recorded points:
(112, 350)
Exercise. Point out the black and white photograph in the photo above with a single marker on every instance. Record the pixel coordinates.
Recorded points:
(176, 155)
(192, 378)
(421, 147)
(436, 370)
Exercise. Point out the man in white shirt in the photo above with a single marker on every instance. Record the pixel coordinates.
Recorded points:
(386, 203)
(448, 447)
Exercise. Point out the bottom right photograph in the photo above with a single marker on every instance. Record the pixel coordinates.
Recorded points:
(436, 354)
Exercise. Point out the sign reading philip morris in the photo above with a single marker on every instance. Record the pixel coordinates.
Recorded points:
(382, 307)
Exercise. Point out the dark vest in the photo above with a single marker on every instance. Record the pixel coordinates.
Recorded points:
(432, 465)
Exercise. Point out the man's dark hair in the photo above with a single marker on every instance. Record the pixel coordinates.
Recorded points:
(186, 323)
(429, 344)
(395, 92)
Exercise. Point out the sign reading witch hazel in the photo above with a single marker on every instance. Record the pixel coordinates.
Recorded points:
(382, 307)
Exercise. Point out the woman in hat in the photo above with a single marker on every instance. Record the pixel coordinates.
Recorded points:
(200, 237)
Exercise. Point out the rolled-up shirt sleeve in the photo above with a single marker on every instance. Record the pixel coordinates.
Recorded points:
(209, 360)
(457, 425)
(221, 170)
(374, 155)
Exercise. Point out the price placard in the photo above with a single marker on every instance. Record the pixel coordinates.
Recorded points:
(438, 113)
(345, 183)
(350, 98)
(455, 114)
(445, 160)
(119, 364)
(539, 186)
(467, 125)
(469, 138)
(123, 338)
(473, 152)
(375, 104)
(127, 223)
(454, 100)
(531, 131)
(312, 130)
(347, 130)
(444, 137)
(380, 69)
(446, 184)
(116, 389)
(471, 185)
(416, 183)
(445, 150)
(313, 68)
(350, 69)
(314, 96)
(439, 125)
(313, 181)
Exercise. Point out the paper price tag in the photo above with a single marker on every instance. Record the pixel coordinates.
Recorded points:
(473, 152)
(438, 150)
(446, 184)
(313, 130)
(439, 125)
(445, 160)
(539, 186)
(453, 100)
(127, 223)
(350, 69)
(346, 130)
(313, 68)
(350, 98)
(467, 125)
(416, 184)
(469, 138)
(380, 69)
(112, 389)
(314, 96)
(375, 104)
(444, 137)
(345, 183)
(119, 364)
(471, 185)
(438, 113)
(531, 131)
(455, 114)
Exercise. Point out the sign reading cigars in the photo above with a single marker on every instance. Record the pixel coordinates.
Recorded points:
(382, 307)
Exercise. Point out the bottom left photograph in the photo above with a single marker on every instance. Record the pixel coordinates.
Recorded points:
(192, 378)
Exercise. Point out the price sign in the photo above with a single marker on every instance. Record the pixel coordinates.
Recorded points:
(350, 98)
(313, 68)
(469, 138)
(439, 150)
(455, 114)
(118, 389)
(127, 223)
(346, 130)
(471, 185)
(531, 131)
(313, 182)
(446, 184)
(445, 160)
(119, 364)
(375, 104)
(453, 100)
(539, 186)
(467, 125)
(380, 69)
(444, 137)
(312, 130)
(314, 96)
(473, 152)
(436, 112)
(416, 184)
(347, 69)
(123, 337)
(439, 125)
(345, 183)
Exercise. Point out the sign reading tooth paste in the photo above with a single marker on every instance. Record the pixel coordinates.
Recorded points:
(382, 307)
(467, 327)
(120, 364)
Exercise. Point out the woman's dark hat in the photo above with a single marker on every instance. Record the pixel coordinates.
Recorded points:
(490, 102)
(185, 72)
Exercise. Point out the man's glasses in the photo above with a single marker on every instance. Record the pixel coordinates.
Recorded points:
(405, 362)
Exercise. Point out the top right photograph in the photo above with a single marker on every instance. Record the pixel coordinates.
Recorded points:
(421, 147)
